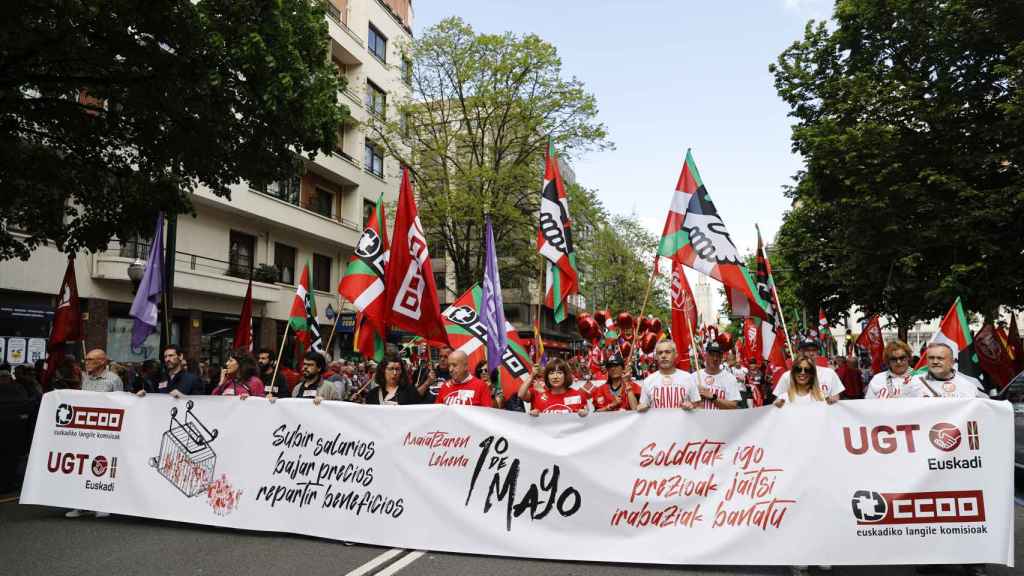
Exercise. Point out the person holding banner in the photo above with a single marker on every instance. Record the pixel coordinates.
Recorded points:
(463, 389)
(612, 395)
(239, 377)
(942, 380)
(669, 387)
(896, 381)
(805, 388)
(825, 377)
(393, 387)
(557, 395)
(718, 388)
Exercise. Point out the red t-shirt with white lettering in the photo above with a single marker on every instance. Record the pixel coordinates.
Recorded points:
(567, 402)
(471, 392)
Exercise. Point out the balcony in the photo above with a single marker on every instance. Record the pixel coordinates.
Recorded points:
(192, 272)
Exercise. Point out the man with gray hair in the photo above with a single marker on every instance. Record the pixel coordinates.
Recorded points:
(942, 379)
(98, 377)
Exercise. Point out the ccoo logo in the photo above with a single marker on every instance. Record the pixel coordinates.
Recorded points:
(869, 507)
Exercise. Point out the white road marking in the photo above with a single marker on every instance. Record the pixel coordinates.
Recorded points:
(377, 561)
(405, 561)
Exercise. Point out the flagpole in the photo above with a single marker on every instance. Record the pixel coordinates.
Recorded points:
(693, 339)
(540, 303)
(334, 328)
(643, 308)
(775, 296)
(280, 352)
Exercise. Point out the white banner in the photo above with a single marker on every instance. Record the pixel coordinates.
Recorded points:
(913, 481)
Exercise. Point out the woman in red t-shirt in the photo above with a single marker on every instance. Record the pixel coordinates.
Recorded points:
(239, 377)
(556, 396)
(613, 394)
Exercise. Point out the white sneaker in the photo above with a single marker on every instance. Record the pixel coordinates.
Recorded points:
(102, 514)
(76, 513)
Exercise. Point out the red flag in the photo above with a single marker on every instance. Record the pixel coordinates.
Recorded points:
(684, 311)
(871, 340)
(243, 333)
(1015, 344)
(772, 343)
(410, 294)
(67, 322)
(993, 357)
(751, 340)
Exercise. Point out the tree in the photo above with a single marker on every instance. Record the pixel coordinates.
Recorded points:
(909, 118)
(484, 108)
(111, 111)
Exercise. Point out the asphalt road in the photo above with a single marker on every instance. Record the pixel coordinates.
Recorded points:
(38, 540)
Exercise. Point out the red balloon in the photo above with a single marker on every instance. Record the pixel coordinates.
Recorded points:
(601, 317)
(644, 325)
(625, 321)
(581, 320)
(625, 348)
(726, 340)
(656, 325)
(648, 342)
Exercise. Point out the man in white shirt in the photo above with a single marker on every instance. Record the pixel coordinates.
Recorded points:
(717, 387)
(828, 380)
(942, 380)
(669, 387)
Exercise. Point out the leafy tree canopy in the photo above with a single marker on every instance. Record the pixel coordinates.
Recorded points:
(910, 118)
(112, 110)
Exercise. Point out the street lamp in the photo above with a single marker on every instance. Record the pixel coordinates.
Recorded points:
(136, 270)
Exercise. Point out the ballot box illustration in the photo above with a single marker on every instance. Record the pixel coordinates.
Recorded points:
(186, 458)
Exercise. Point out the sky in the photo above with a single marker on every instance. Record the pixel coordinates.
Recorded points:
(667, 76)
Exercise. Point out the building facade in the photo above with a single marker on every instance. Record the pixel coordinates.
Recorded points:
(271, 230)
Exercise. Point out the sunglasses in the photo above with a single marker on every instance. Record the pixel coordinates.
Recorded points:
(898, 359)
(802, 370)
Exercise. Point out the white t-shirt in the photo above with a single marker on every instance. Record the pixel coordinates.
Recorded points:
(798, 399)
(723, 384)
(661, 391)
(959, 386)
(828, 381)
(888, 385)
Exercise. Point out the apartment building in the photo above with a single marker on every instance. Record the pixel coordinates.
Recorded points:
(313, 218)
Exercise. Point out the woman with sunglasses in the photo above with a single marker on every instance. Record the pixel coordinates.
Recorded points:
(804, 388)
(896, 381)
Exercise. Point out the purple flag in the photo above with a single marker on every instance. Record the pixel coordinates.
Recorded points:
(492, 312)
(144, 307)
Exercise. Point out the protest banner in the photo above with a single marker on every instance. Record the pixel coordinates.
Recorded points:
(909, 481)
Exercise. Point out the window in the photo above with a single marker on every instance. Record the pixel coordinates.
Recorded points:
(321, 273)
(322, 203)
(368, 206)
(135, 247)
(376, 100)
(373, 159)
(407, 70)
(284, 261)
(241, 254)
(377, 43)
(287, 190)
(403, 123)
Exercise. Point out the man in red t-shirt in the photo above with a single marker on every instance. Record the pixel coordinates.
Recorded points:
(463, 388)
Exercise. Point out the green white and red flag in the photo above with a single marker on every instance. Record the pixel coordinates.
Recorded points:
(467, 334)
(302, 317)
(363, 284)
(955, 332)
(695, 236)
(554, 240)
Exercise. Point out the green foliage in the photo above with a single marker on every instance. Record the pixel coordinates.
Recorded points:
(475, 136)
(909, 117)
(177, 95)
